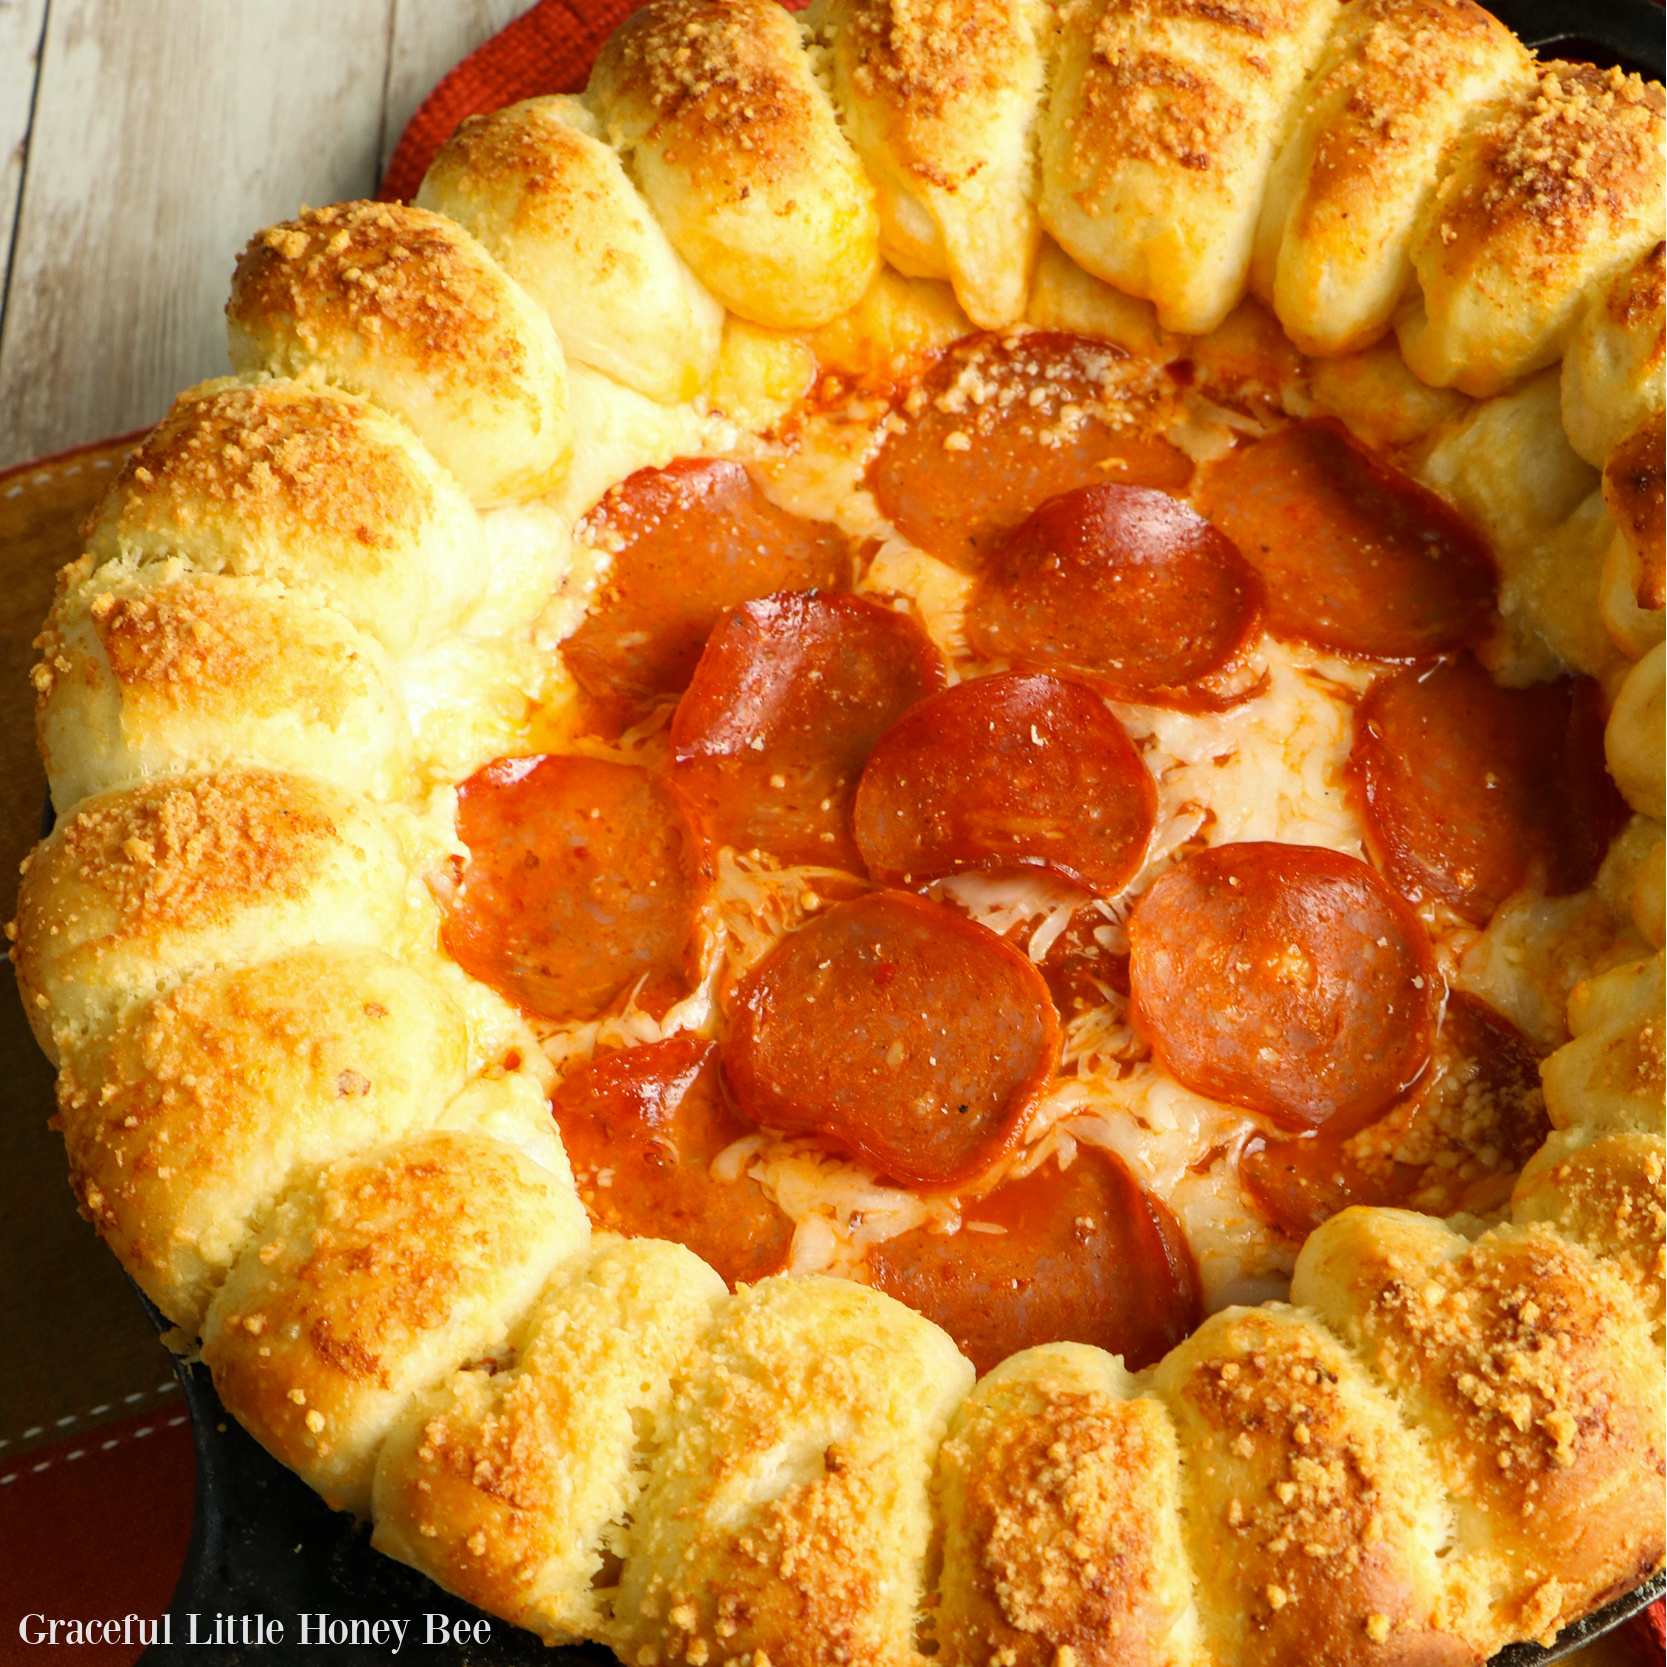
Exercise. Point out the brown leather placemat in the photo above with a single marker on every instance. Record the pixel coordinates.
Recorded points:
(78, 1347)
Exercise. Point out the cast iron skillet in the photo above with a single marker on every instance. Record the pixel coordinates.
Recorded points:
(264, 1544)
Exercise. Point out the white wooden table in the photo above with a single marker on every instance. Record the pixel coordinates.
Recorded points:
(143, 141)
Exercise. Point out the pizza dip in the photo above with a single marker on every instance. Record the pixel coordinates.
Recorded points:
(864, 862)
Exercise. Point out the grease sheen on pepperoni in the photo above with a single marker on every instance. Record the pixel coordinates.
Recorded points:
(688, 541)
(1455, 1143)
(1356, 556)
(898, 1031)
(583, 881)
(641, 1128)
(1287, 979)
(1086, 1257)
(1010, 771)
(1468, 788)
(1004, 422)
(1128, 588)
(784, 708)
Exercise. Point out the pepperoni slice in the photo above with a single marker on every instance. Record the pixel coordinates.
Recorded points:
(899, 1031)
(1356, 557)
(1130, 589)
(1468, 789)
(688, 541)
(1004, 422)
(641, 1128)
(1456, 1143)
(1015, 771)
(1288, 979)
(784, 708)
(583, 882)
(1085, 1256)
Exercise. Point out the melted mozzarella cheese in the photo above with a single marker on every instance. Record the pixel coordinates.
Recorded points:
(1271, 768)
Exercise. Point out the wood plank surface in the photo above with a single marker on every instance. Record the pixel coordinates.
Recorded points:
(428, 40)
(21, 26)
(164, 135)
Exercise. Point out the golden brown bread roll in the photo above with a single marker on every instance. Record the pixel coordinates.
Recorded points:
(1398, 82)
(1547, 201)
(1058, 1492)
(137, 890)
(554, 206)
(159, 670)
(373, 1279)
(1634, 579)
(762, 373)
(1381, 400)
(1608, 1078)
(311, 487)
(1635, 738)
(736, 147)
(1314, 1517)
(1530, 1370)
(1608, 1194)
(1160, 127)
(1064, 297)
(405, 308)
(1613, 368)
(940, 103)
(1508, 467)
(187, 1121)
(786, 1515)
(624, 431)
(892, 331)
(511, 1486)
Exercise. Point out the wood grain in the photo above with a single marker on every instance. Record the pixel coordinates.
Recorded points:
(21, 25)
(164, 135)
(429, 40)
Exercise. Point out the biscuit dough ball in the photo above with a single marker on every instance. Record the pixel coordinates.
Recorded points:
(370, 1282)
(185, 1124)
(1608, 1077)
(786, 1514)
(311, 487)
(762, 373)
(140, 889)
(1314, 1518)
(624, 431)
(1399, 81)
(509, 1488)
(1382, 402)
(1613, 367)
(891, 333)
(1064, 297)
(1608, 1194)
(736, 146)
(159, 670)
(1634, 579)
(1634, 743)
(405, 308)
(1160, 128)
(1507, 466)
(1529, 1368)
(940, 103)
(1561, 190)
(1059, 1494)
(552, 203)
